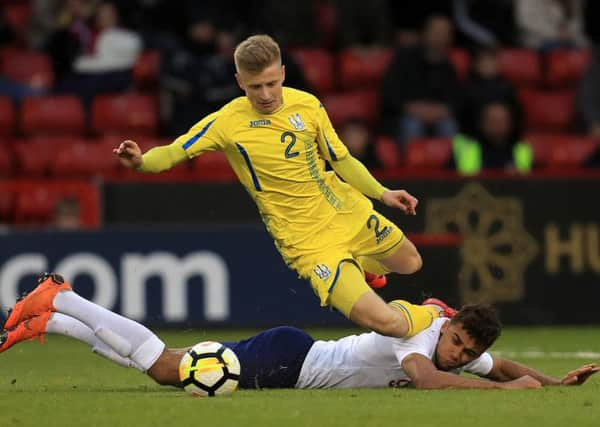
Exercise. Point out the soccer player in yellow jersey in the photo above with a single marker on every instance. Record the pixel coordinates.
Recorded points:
(277, 140)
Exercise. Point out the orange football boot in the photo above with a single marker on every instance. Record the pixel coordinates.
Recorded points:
(375, 281)
(445, 309)
(37, 301)
(28, 329)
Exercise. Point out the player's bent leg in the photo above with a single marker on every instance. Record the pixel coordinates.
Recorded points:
(372, 265)
(59, 324)
(126, 337)
(398, 319)
(371, 312)
(351, 295)
(404, 260)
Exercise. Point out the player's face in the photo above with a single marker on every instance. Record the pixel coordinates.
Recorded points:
(455, 348)
(263, 89)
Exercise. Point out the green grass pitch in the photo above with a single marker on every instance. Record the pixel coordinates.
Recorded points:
(61, 383)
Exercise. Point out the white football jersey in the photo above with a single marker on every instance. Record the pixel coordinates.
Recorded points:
(373, 360)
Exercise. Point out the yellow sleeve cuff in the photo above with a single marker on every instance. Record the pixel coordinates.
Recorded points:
(159, 159)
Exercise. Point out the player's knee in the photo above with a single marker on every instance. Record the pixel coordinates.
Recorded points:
(414, 263)
(411, 262)
(406, 260)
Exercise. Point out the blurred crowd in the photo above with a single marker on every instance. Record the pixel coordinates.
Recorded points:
(94, 46)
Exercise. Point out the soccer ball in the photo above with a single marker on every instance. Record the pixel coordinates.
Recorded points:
(209, 369)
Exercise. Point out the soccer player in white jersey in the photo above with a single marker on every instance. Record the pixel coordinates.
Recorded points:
(287, 357)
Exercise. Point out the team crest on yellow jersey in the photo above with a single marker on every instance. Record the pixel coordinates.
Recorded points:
(322, 271)
(297, 121)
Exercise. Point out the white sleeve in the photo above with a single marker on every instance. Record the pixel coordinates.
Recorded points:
(423, 343)
(480, 366)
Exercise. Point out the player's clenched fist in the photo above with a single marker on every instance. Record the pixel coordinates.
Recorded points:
(129, 154)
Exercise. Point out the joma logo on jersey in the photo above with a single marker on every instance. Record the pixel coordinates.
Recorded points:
(322, 271)
(297, 121)
(259, 123)
(384, 233)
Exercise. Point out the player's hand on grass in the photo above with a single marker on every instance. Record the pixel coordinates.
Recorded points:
(129, 154)
(400, 199)
(580, 375)
(521, 383)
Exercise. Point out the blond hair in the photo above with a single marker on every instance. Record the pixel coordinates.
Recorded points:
(256, 53)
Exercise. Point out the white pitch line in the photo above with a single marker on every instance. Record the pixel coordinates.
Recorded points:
(538, 354)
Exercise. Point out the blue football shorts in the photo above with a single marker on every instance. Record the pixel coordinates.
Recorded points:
(273, 358)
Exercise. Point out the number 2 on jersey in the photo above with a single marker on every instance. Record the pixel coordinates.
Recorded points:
(288, 150)
(374, 219)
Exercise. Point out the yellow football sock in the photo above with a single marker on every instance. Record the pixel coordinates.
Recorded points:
(418, 317)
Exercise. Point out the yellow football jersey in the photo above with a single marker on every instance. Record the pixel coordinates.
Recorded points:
(280, 159)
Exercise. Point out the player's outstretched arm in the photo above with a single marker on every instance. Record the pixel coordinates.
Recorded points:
(507, 370)
(358, 176)
(425, 375)
(157, 159)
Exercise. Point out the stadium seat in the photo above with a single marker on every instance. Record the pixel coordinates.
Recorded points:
(146, 69)
(84, 159)
(561, 150)
(387, 152)
(317, 65)
(361, 105)
(7, 116)
(520, 66)
(428, 153)
(213, 166)
(566, 67)
(17, 16)
(34, 156)
(52, 115)
(7, 202)
(28, 67)
(361, 71)
(548, 111)
(34, 206)
(327, 21)
(125, 115)
(570, 151)
(461, 61)
(540, 143)
(6, 161)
